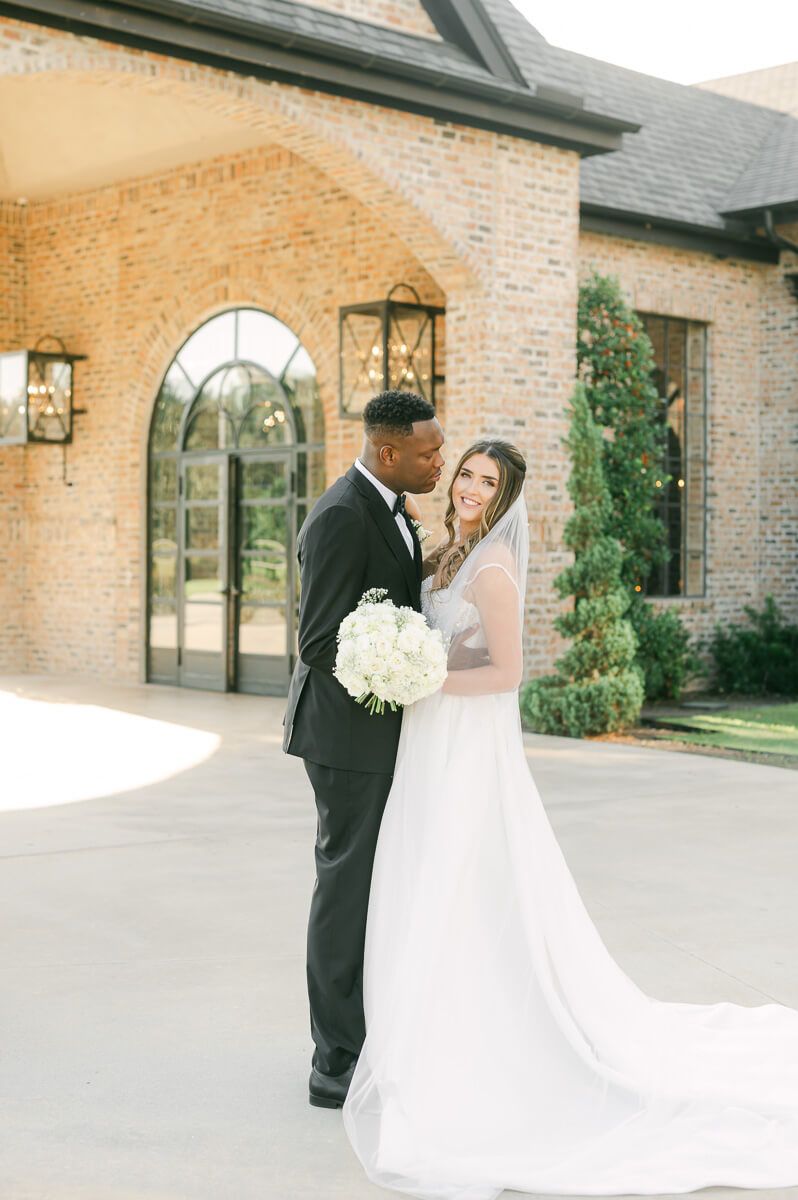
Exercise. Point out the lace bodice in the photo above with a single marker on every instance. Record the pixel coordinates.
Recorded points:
(435, 602)
(484, 647)
(428, 601)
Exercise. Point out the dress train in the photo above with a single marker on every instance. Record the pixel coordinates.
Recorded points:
(505, 1048)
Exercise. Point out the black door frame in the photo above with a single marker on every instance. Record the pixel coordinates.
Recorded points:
(164, 590)
(195, 668)
(273, 679)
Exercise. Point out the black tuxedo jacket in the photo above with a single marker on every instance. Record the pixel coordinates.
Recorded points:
(349, 543)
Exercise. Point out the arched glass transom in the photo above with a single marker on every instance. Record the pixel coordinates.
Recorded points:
(242, 379)
(236, 461)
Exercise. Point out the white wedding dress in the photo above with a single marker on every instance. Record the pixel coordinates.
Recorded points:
(505, 1048)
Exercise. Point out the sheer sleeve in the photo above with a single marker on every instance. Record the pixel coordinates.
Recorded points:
(495, 594)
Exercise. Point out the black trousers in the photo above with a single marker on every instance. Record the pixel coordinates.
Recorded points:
(349, 805)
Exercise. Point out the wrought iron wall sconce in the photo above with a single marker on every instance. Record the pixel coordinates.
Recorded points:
(386, 345)
(37, 396)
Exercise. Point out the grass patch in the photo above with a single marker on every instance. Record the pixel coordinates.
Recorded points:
(771, 729)
(769, 714)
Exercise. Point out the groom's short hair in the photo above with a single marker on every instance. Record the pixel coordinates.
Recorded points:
(394, 413)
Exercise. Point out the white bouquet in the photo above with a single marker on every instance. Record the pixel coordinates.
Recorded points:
(388, 655)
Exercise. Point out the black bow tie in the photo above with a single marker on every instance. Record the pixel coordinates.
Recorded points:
(399, 506)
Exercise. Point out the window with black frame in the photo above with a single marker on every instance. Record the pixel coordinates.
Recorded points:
(680, 377)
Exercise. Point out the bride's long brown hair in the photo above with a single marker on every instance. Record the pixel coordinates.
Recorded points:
(448, 557)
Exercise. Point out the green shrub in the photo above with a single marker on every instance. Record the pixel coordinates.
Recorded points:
(664, 654)
(597, 687)
(549, 705)
(761, 659)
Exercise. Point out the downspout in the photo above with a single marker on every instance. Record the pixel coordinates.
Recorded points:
(783, 243)
(776, 238)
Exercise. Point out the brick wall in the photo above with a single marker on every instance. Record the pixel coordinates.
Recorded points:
(12, 273)
(13, 645)
(113, 270)
(356, 198)
(778, 528)
(409, 16)
(341, 201)
(751, 388)
(12, 461)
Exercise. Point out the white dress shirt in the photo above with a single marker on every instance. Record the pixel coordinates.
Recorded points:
(390, 499)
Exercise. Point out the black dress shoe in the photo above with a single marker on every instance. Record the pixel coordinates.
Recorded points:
(329, 1091)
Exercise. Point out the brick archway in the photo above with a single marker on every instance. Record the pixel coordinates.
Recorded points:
(371, 152)
(483, 222)
(241, 285)
(184, 645)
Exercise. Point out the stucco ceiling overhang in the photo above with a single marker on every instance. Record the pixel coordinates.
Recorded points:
(61, 134)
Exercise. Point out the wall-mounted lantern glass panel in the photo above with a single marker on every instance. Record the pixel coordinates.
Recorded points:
(36, 403)
(386, 345)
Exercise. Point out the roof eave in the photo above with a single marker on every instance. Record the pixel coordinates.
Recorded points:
(231, 44)
(783, 212)
(736, 241)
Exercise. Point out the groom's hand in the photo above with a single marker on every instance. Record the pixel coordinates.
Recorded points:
(465, 658)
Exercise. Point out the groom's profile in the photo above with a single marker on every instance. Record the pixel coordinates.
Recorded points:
(356, 537)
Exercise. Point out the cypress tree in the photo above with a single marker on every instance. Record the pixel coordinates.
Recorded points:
(615, 360)
(597, 687)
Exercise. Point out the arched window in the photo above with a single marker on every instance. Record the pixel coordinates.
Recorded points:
(238, 367)
(236, 460)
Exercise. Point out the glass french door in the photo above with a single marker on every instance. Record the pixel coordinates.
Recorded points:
(203, 586)
(264, 571)
(236, 576)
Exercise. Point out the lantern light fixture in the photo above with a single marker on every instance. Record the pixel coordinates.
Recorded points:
(36, 394)
(386, 345)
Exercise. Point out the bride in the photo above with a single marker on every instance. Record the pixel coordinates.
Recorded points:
(504, 1046)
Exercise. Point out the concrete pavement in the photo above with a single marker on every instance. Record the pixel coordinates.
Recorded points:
(153, 1011)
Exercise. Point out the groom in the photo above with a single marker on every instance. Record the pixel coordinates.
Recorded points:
(356, 537)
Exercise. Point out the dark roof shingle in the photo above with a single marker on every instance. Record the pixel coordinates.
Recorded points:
(693, 145)
(770, 178)
(697, 159)
(306, 24)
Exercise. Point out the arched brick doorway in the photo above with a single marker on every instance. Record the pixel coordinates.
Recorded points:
(236, 458)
